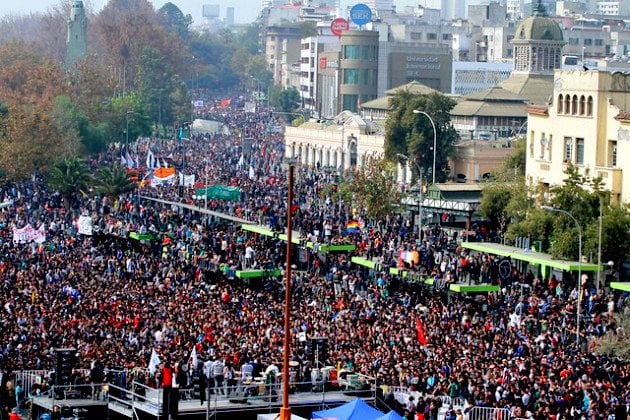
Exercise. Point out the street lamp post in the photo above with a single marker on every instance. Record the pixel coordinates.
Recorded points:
(417, 111)
(258, 91)
(181, 187)
(406, 158)
(579, 300)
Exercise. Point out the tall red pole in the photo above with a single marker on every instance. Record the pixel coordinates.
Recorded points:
(285, 411)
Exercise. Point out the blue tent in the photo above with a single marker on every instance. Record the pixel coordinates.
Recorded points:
(392, 415)
(354, 410)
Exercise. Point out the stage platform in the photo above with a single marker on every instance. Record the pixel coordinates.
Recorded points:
(217, 407)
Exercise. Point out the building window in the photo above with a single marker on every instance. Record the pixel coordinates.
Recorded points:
(350, 102)
(589, 106)
(447, 37)
(415, 36)
(431, 36)
(567, 104)
(352, 52)
(559, 104)
(582, 105)
(612, 153)
(351, 77)
(574, 105)
(599, 42)
(579, 151)
(568, 149)
(531, 145)
(588, 41)
(543, 142)
(549, 146)
(574, 41)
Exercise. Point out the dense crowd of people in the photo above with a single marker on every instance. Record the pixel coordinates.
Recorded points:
(116, 300)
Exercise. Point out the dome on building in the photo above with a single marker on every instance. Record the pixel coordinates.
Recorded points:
(538, 27)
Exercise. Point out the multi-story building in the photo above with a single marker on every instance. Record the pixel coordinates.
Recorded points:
(612, 8)
(587, 125)
(310, 63)
(282, 48)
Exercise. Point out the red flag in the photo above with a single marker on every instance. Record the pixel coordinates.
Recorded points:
(422, 339)
(226, 102)
(294, 208)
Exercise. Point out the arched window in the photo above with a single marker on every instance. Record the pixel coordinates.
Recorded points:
(560, 104)
(567, 104)
(582, 105)
(589, 106)
(574, 105)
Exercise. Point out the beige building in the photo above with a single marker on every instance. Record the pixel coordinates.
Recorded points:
(586, 124)
(474, 160)
(345, 142)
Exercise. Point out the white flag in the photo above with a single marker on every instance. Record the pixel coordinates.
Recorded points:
(154, 362)
(84, 225)
(149, 161)
(193, 357)
(252, 173)
(239, 165)
(123, 161)
(130, 161)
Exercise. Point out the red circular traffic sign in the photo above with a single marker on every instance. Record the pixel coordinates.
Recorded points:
(339, 25)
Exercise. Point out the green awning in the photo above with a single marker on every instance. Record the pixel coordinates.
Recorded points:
(618, 285)
(528, 256)
(473, 288)
(252, 274)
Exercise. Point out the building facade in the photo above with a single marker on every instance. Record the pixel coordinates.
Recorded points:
(587, 126)
(346, 142)
(470, 76)
(358, 66)
(282, 49)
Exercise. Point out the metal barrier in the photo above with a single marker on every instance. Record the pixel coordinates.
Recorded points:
(402, 394)
(488, 413)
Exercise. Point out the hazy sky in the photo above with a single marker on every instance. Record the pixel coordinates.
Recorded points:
(245, 10)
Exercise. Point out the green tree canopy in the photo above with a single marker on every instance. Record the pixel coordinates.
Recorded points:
(112, 181)
(173, 20)
(374, 188)
(70, 176)
(411, 134)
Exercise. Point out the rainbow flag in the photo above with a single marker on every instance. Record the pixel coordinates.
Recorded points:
(352, 226)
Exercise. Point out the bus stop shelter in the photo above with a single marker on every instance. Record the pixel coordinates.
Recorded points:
(545, 262)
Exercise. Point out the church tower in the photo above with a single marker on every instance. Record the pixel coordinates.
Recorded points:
(538, 43)
(77, 35)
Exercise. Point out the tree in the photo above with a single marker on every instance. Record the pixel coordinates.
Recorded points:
(139, 121)
(173, 20)
(69, 176)
(515, 162)
(374, 188)
(284, 100)
(30, 132)
(412, 134)
(112, 181)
